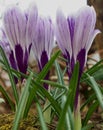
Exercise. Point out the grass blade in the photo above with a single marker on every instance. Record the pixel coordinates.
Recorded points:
(97, 90)
(22, 103)
(10, 75)
(7, 98)
(46, 68)
(43, 124)
(53, 102)
(70, 97)
(87, 127)
(54, 84)
(92, 108)
(73, 84)
(89, 100)
(40, 77)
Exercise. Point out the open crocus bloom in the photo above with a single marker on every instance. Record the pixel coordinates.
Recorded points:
(17, 29)
(75, 35)
(42, 42)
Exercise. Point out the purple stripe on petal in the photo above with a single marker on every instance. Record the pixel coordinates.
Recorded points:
(13, 64)
(43, 60)
(72, 64)
(26, 57)
(81, 58)
(67, 56)
(71, 23)
(29, 49)
(25, 62)
(12, 60)
(19, 57)
(42, 63)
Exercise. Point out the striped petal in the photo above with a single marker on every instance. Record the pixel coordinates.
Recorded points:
(63, 33)
(84, 29)
(15, 26)
(32, 15)
(43, 38)
(49, 36)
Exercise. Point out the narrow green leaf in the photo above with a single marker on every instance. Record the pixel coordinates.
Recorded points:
(62, 117)
(70, 97)
(97, 90)
(98, 75)
(92, 109)
(10, 75)
(43, 124)
(46, 68)
(94, 71)
(41, 89)
(94, 67)
(41, 76)
(89, 100)
(22, 103)
(59, 73)
(73, 84)
(60, 80)
(7, 98)
(87, 127)
(54, 84)
(1, 62)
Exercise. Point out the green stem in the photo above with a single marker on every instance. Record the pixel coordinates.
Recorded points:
(47, 113)
(77, 116)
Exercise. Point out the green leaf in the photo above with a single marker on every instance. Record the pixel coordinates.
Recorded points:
(41, 76)
(70, 97)
(89, 100)
(43, 91)
(98, 75)
(87, 127)
(94, 67)
(10, 75)
(73, 85)
(43, 124)
(47, 67)
(97, 90)
(54, 84)
(22, 103)
(95, 71)
(41, 117)
(59, 73)
(62, 118)
(60, 80)
(7, 98)
(92, 108)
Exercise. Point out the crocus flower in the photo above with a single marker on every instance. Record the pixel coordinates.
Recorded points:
(17, 27)
(75, 35)
(42, 42)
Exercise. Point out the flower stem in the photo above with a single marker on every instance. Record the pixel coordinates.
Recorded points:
(77, 116)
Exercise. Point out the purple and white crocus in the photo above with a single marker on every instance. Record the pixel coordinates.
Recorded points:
(42, 42)
(75, 35)
(17, 26)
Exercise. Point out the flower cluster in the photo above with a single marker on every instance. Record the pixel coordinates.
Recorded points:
(24, 31)
(75, 35)
(42, 42)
